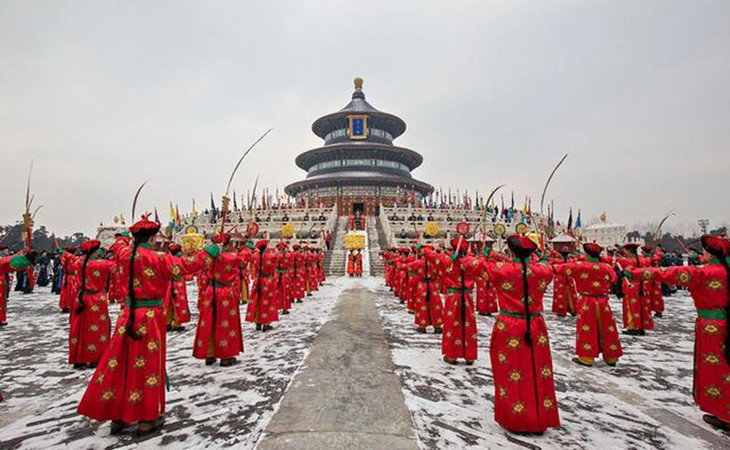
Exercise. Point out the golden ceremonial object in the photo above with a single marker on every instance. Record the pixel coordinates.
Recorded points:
(287, 230)
(432, 229)
(500, 229)
(354, 240)
(192, 241)
(521, 228)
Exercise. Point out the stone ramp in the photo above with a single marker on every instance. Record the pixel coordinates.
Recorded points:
(347, 394)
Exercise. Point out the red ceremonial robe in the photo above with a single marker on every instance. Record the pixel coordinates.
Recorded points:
(89, 319)
(459, 338)
(426, 295)
(298, 274)
(69, 289)
(177, 310)
(283, 282)
(129, 383)
(523, 374)
(637, 297)
(708, 287)
(358, 264)
(261, 308)
(9, 264)
(351, 264)
(486, 294)
(565, 297)
(218, 334)
(596, 330)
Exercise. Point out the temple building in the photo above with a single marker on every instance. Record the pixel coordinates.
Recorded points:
(358, 168)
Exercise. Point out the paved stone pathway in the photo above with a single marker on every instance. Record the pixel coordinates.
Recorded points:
(347, 394)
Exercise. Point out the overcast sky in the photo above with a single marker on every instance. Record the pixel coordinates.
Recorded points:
(104, 95)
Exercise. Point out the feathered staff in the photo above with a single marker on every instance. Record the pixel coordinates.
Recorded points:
(27, 216)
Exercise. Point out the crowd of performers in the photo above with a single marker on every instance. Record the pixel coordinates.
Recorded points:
(149, 284)
(439, 286)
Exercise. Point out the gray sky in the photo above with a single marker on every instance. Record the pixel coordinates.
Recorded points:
(104, 95)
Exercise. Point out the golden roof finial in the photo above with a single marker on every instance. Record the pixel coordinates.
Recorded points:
(358, 84)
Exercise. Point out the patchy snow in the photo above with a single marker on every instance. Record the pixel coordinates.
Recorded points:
(207, 405)
(644, 402)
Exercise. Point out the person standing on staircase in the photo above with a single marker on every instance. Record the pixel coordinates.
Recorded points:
(358, 263)
(351, 263)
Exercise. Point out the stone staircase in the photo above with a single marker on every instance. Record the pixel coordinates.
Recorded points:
(382, 238)
(375, 243)
(334, 261)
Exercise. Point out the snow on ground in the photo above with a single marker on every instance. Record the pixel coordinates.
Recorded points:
(207, 405)
(644, 402)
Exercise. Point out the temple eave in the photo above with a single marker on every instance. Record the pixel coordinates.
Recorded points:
(407, 156)
(299, 187)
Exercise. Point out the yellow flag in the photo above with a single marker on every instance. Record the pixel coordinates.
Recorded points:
(172, 213)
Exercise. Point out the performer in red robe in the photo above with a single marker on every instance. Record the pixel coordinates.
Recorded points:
(637, 295)
(655, 289)
(388, 260)
(298, 274)
(118, 280)
(522, 366)
(10, 264)
(246, 254)
(177, 311)
(69, 289)
(486, 293)
(596, 330)
(406, 286)
(312, 269)
(320, 265)
(708, 285)
(565, 297)
(358, 263)
(129, 384)
(426, 293)
(351, 263)
(459, 338)
(283, 278)
(218, 334)
(89, 328)
(261, 308)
